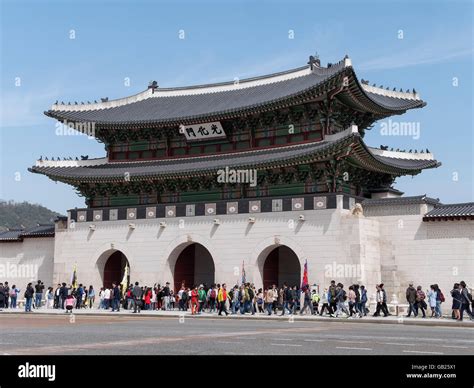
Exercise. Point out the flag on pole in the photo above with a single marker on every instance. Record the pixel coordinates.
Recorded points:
(305, 282)
(243, 274)
(124, 282)
(74, 277)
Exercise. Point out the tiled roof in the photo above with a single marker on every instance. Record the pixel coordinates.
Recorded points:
(419, 199)
(42, 230)
(172, 105)
(11, 235)
(393, 103)
(408, 164)
(451, 211)
(258, 158)
(186, 165)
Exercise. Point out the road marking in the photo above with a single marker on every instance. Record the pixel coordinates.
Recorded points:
(351, 342)
(346, 347)
(454, 346)
(395, 343)
(421, 352)
(228, 342)
(285, 345)
(136, 342)
(314, 340)
(377, 337)
(283, 339)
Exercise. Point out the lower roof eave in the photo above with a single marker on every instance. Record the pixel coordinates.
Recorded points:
(349, 146)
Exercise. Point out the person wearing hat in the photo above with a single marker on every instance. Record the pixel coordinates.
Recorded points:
(411, 299)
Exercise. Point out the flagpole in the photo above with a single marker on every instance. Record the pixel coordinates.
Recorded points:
(124, 282)
(243, 279)
(74, 276)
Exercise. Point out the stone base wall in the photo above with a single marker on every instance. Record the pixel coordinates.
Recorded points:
(392, 248)
(27, 261)
(336, 245)
(425, 253)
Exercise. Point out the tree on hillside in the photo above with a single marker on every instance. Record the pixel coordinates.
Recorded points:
(24, 215)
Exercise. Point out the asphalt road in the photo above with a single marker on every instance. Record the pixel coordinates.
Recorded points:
(100, 335)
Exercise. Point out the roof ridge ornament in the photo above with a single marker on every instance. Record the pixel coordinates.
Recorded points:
(153, 85)
(347, 61)
(352, 129)
(385, 91)
(314, 61)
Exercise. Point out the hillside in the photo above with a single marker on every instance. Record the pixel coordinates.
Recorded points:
(17, 214)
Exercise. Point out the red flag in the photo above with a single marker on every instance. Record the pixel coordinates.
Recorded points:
(305, 282)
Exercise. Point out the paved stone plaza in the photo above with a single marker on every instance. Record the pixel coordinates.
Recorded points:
(171, 333)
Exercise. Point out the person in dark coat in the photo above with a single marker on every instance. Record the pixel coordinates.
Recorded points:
(63, 292)
(466, 300)
(137, 297)
(457, 301)
(115, 298)
(79, 295)
(384, 303)
(411, 299)
(2, 296)
(57, 296)
(29, 292)
(7, 293)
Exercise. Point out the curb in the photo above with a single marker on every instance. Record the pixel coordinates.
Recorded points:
(401, 320)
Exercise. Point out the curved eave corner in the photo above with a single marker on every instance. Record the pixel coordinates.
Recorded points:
(376, 95)
(53, 177)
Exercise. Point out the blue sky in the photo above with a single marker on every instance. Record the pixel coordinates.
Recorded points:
(139, 40)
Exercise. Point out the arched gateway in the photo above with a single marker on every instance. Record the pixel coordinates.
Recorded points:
(281, 265)
(112, 267)
(194, 266)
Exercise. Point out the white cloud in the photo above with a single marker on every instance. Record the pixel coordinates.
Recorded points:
(413, 58)
(438, 49)
(19, 109)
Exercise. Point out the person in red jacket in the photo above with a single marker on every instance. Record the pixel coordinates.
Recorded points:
(148, 299)
(194, 300)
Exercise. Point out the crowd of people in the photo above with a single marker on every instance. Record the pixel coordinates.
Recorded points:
(333, 301)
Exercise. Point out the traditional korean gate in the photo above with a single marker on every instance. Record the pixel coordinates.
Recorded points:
(281, 266)
(270, 270)
(194, 266)
(184, 268)
(114, 268)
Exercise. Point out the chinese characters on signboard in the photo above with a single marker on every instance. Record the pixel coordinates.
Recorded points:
(202, 131)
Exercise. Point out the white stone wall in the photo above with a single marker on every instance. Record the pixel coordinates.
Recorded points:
(327, 239)
(425, 253)
(27, 261)
(393, 249)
